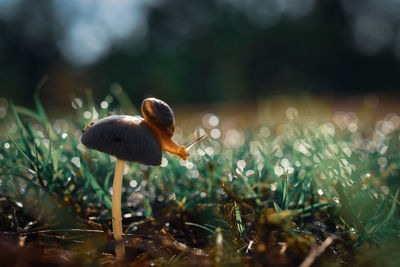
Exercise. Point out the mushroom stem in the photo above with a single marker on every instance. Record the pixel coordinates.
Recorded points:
(116, 209)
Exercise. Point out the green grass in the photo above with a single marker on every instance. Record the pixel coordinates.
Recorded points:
(269, 195)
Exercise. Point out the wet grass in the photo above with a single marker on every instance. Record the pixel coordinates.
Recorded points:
(299, 192)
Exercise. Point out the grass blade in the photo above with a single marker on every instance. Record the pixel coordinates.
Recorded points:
(239, 223)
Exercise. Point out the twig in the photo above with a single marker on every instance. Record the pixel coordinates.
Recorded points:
(134, 224)
(16, 220)
(57, 230)
(180, 246)
(316, 251)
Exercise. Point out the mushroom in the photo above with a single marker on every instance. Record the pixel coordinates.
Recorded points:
(136, 139)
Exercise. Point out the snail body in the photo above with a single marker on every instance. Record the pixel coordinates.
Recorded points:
(134, 138)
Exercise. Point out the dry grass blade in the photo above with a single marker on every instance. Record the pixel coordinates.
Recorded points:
(171, 242)
(316, 251)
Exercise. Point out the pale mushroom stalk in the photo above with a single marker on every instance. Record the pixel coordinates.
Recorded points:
(116, 209)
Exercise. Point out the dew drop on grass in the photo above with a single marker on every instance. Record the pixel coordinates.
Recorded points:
(127, 215)
(387, 127)
(395, 120)
(182, 162)
(260, 167)
(95, 114)
(292, 113)
(328, 129)
(82, 148)
(37, 142)
(195, 174)
(250, 172)
(316, 159)
(382, 161)
(213, 120)
(265, 131)
(77, 103)
(344, 162)
(71, 187)
(215, 133)
(301, 147)
(209, 150)
(233, 138)
(133, 183)
(139, 213)
(104, 104)
(339, 119)
(352, 127)
(87, 114)
(45, 142)
(273, 187)
(364, 186)
(382, 148)
(285, 163)
(126, 169)
(385, 189)
(200, 152)
(241, 164)
(164, 162)
(189, 165)
(76, 161)
(199, 132)
(371, 146)
(13, 129)
(145, 167)
(278, 170)
(109, 98)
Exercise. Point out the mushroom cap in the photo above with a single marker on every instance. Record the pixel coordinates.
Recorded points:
(125, 137)
(159, 114)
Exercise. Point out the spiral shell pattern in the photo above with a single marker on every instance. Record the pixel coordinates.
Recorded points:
(159, 114)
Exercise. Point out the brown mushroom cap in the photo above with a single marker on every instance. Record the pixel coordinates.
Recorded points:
(125, 137)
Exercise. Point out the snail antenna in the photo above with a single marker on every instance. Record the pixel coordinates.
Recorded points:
(196, 141)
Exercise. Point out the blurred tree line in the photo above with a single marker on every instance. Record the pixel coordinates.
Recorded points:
(198, 51)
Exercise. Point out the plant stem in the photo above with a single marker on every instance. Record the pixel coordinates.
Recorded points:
(116, 209)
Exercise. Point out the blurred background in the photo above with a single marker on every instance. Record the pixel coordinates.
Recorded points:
(199, 51)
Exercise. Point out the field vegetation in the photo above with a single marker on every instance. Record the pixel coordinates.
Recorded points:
(321, 191)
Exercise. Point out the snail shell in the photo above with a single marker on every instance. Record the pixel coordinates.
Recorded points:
(159, 114)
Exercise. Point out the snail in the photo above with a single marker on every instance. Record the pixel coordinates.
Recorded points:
(133, 138)
(137, 139)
